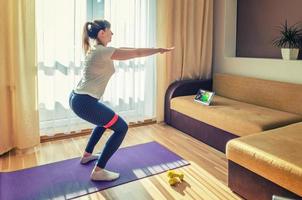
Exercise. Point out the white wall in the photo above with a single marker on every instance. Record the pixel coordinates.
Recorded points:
(224, 60)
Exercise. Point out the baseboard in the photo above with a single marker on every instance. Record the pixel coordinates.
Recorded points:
(73, 134)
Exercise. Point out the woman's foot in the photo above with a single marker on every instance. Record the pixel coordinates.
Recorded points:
(87, 157)
(99, 174)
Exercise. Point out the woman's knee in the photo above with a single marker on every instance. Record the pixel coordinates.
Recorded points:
(120, 125)
(123, 125)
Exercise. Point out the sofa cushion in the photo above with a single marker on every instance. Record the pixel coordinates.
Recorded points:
(274, 155)
(233, 116)
(272, 94)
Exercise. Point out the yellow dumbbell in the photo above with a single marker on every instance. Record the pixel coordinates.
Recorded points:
(173, 174)
(173, 181)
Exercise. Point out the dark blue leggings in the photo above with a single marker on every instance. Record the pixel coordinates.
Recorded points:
(93, 111)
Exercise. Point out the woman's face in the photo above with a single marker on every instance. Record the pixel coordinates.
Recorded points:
(105, 36)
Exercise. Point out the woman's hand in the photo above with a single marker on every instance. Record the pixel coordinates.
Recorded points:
(164, 50)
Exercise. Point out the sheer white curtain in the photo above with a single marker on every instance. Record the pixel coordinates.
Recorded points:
(59, 29)
(131, 91)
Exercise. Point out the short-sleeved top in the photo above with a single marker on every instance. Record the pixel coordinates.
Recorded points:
(98, 69)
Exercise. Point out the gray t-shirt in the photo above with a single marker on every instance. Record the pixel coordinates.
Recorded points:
(98, 69)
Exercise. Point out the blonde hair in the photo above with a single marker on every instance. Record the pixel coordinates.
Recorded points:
(91, 30)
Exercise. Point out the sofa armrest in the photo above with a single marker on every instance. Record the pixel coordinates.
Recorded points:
(183, 88)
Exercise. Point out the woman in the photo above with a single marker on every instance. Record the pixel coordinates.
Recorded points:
(84, 99)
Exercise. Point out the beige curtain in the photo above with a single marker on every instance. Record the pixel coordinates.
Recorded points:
(187, 25)
(19, 123)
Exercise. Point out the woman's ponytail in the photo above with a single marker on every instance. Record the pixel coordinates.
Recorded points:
(85, 37)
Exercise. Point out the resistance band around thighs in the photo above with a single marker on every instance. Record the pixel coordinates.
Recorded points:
(111, 122)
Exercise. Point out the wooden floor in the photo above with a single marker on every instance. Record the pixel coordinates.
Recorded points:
(206, 177)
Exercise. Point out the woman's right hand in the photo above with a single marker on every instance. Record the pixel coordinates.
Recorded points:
(164, 50)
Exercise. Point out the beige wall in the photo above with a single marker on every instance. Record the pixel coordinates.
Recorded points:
(224, 60)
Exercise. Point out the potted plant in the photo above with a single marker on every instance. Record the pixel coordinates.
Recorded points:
(289, 41)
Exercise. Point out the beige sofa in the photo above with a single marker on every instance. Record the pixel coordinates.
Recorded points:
(274, 155)
(256, 116)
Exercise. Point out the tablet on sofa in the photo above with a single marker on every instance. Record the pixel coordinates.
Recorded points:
(203, 96)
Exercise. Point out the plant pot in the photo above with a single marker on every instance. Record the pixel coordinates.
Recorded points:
(289, 54)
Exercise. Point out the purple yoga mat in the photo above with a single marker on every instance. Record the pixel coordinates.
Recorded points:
(69, 179)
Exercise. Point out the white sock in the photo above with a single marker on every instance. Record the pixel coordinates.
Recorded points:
(104, 175)
(86, 159)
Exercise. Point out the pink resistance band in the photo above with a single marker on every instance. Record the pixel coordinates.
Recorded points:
(112, 121)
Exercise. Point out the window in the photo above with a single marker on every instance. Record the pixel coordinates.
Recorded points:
(130, 91)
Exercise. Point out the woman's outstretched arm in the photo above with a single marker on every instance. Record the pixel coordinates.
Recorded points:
(129, 53)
